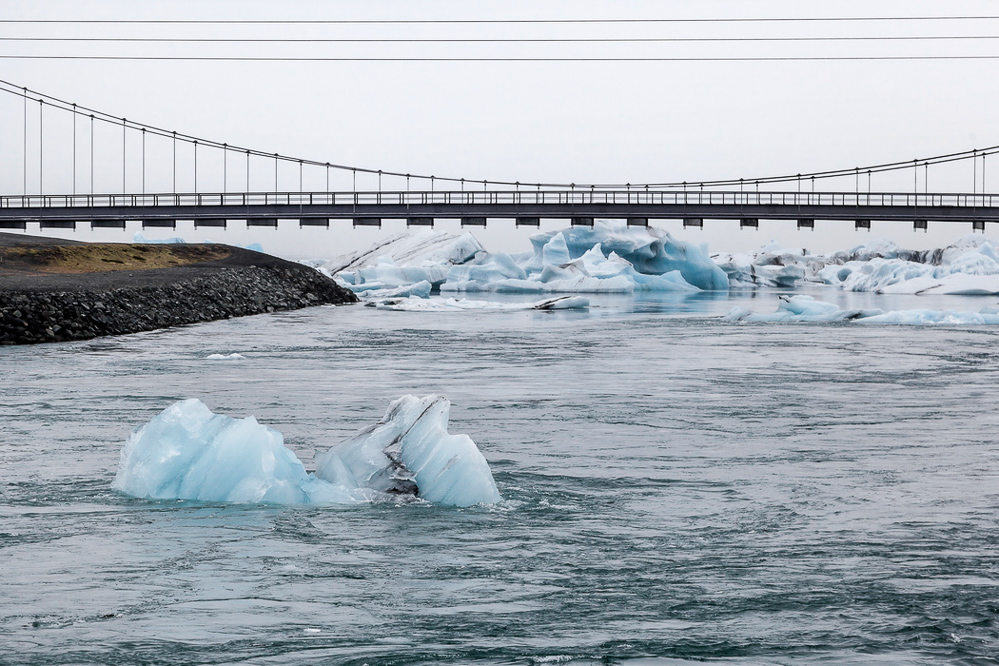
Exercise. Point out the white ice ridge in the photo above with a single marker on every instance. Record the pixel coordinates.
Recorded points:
(187, 452)
(803, 308)
(411, 249)
(969, 266)
(414, 304)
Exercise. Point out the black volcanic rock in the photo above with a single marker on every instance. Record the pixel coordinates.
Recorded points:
(42, 307)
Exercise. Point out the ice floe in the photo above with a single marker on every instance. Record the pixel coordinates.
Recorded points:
(804, 308)
(188, 452)
(987, 315)
(437, 304)
(235, 356)
(799, 308)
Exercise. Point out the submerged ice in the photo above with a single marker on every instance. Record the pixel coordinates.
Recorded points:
(413, 304)
(188, 452)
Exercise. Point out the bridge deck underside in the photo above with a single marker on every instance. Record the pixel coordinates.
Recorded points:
(511, 211)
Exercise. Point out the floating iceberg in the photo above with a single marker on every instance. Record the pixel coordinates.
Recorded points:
(591, 272)
(460, 304)
(960, 269)
(803, 308)
(236, 356)
(970, 266)
(187, 452)
(139, 237)
(772, 266)
(419, 289)
(610, 257)
(649, 251)
(410, 452)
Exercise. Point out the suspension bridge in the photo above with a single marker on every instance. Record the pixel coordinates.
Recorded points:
(420, 200)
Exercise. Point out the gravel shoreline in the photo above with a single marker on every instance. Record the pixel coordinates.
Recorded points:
(37, 308)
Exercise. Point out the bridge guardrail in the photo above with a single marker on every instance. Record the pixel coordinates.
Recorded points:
(504, 197)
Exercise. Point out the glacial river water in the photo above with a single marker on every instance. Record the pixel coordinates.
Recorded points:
(676, 489)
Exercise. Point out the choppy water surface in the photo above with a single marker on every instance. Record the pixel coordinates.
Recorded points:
(676, 488)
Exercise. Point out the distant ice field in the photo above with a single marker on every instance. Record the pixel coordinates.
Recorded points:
(676, 489)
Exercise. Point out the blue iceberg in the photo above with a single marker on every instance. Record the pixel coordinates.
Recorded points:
(188, 452)
(650, 251)
(410, 451)
(610, 257)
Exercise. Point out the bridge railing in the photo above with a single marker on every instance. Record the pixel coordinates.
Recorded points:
(504, 197)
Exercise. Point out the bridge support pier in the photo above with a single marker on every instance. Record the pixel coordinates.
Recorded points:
(368, 222)
(219, 223)
(528, 221)
(13, 224)
(314, 222)
(473, 222)
(918, 225)
(806, 223)
(638, 221)
(749, 223)
(262, 222)
(420, 222)
(862, 224)
(978, 225)
(107, 224)
(696, 222)
(159, 224)
(584, 222)
(57, 224)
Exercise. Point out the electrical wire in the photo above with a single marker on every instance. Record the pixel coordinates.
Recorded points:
(746, 19)
(509, 40)
(501, 58)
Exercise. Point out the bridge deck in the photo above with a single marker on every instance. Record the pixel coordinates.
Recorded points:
(506, 204)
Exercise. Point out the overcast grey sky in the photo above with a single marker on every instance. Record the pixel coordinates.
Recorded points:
(537, 121)
(529, 121)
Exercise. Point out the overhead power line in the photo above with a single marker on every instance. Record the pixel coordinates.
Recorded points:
(502, 58)
(494, 59)
(488, 40)
(745, 19)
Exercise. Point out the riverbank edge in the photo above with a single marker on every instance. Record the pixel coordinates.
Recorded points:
(32, 316)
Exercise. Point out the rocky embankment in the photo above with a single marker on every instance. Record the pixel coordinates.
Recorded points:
(42, 300)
